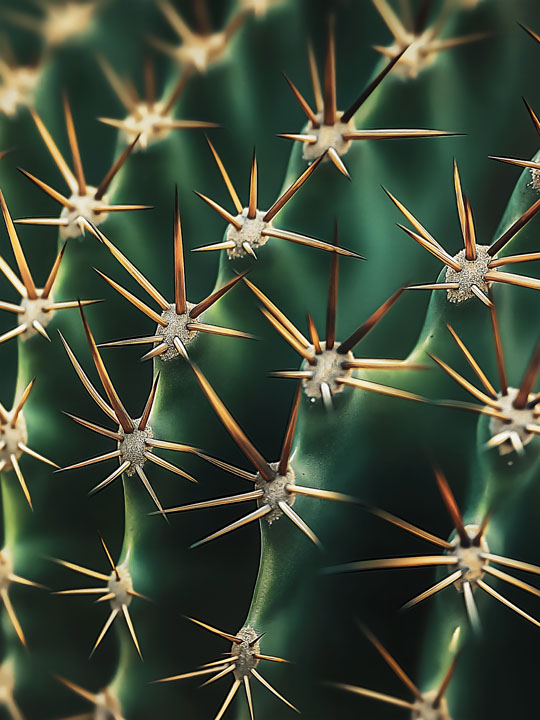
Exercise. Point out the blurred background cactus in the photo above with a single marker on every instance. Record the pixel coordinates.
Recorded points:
(239, 405)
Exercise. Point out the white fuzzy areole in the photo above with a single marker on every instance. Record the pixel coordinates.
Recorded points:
(473, 272)
(201, 51)
(424, 710)
(133, 446)
(10, 439)
(250, 233)
(421, 53)
(83, 206)
(535, 178)
(327, 369)
(67, 20)
(259, 7)
(328, 136)
(121, 587)
(6, 569)
(275, 492)
(107, 706)
(519, 421)
(244, 653)
(7, 682)
(176, 327)
(469, 558)
(17, 89)
(148, 121)
(34, 310)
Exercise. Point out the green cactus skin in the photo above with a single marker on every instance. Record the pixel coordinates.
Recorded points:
(374, 453)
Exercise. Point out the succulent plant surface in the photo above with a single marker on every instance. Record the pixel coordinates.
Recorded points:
(269, 351)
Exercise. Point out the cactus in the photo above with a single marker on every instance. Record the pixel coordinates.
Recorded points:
(197, 482)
